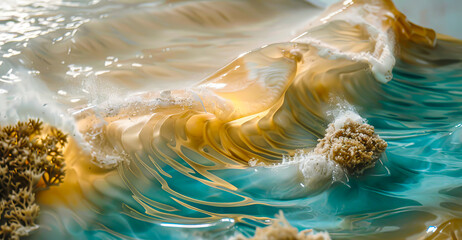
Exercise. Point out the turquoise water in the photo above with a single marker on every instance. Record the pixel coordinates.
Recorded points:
(418, 182)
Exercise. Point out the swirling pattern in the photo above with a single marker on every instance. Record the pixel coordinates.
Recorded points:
(169, 153)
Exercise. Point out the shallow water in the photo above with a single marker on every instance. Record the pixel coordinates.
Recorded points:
(97, 69)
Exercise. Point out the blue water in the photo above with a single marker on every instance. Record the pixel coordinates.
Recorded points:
(417, 182)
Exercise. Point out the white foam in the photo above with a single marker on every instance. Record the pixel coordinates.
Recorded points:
(382, 60)
(30, 99)
(318, 171)
(340, 120)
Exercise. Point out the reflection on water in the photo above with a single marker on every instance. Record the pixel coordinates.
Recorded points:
(184, 114)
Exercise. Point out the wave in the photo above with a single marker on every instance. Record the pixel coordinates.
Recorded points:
(174, 143)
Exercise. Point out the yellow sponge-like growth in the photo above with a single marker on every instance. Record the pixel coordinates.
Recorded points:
(31, 159)
(354, 146)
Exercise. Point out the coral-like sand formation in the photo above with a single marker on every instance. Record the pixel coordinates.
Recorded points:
(281, 230)
(31, 160)
(354, 146)
(349, 146)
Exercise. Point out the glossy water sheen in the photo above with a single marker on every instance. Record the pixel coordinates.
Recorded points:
(174, 164)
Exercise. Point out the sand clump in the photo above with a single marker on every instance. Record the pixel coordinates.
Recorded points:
(282, 230)
(354, 146)
(349, 146)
